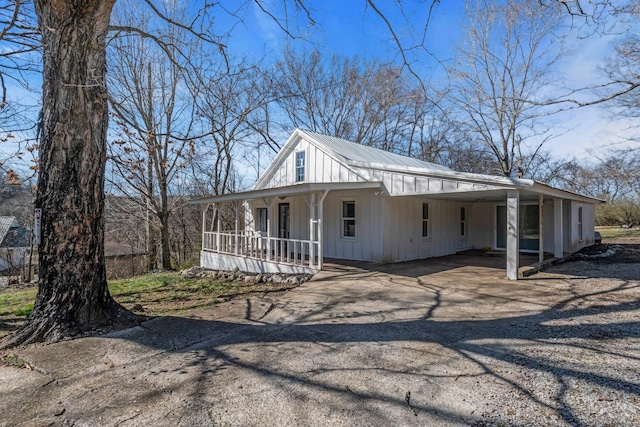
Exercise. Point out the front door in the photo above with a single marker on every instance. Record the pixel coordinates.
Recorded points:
(284, 220)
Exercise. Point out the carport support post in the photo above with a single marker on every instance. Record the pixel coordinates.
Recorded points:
(557, 229)
(513, 234)
(541, 229)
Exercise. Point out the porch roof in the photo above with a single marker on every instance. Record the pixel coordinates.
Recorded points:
(290, 190)
(529, 191)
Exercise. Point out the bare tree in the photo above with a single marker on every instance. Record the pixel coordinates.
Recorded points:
(622, 69)
(20, 42)
(231, 105)
(502, 68)
(155, 117)
(368, 103)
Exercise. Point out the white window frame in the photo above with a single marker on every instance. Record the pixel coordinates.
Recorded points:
(300, 170)
(425, 222)
(463, 221)
(580, 221)
(344, 218)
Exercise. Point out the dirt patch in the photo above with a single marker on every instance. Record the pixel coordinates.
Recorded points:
(161, 294)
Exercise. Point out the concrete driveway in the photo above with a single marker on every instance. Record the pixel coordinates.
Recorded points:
(436, 342)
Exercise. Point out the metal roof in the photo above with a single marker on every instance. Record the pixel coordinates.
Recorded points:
(352, 152)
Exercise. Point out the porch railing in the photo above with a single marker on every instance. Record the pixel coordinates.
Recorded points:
(271, 249)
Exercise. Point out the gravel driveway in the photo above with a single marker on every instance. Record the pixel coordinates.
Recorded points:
(435, 342)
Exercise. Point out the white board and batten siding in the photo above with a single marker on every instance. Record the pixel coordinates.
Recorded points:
(367, 244)
(573, 241)
(406, 183)
(319, 167)
(403, 239)
(298, 216)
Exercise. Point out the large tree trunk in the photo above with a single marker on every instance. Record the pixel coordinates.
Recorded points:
(72, 296)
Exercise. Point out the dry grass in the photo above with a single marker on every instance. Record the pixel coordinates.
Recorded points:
(618, 233)
(158, 294)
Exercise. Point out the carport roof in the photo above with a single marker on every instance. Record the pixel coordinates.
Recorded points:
(530, 191)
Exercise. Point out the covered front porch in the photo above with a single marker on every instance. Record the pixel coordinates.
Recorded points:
(252, 231)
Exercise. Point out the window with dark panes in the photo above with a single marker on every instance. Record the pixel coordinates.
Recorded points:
(425, 220)
(348, 219)
(300, 161)
(261, 219)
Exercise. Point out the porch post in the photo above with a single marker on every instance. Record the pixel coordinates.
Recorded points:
(204, 224)
(269, 204)
(513, 234)
(237, 239)
(541, 228)
(312, 228)
(218, 211)
(558, 237)
(320, 232)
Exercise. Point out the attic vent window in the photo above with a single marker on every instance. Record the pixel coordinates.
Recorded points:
(300, 166)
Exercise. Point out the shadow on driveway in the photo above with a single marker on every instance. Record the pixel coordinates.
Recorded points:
(419, 343)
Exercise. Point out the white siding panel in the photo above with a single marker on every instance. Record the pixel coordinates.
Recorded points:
(402, 221)
(481, 224)
(589, 224)
(397, 182)
(548, 232)
(387, 180)
(450, 186)
(343, 174)
(422, 185)
(367, 244)
(409, 184)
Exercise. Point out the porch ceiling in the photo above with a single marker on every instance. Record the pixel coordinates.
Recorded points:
(291, 190)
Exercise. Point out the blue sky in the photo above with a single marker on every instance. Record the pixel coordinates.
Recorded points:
(350, 27)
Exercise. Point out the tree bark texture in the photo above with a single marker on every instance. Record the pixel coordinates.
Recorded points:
(72, 296)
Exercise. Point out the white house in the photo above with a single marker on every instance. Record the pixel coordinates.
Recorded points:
(327, 197)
